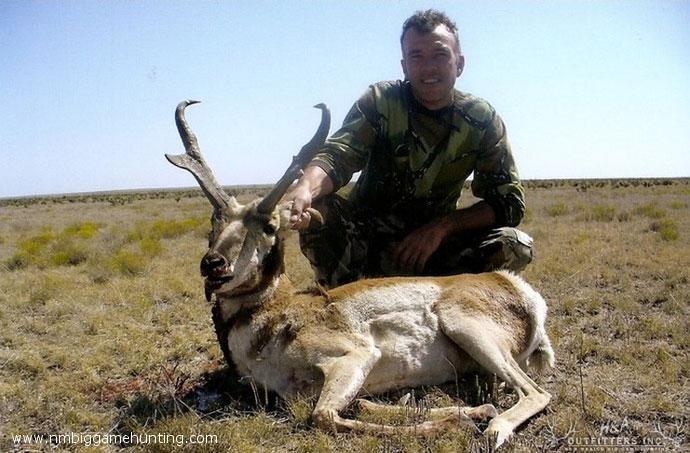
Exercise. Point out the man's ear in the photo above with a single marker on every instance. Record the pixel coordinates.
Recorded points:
(404, 67)
(461, 65)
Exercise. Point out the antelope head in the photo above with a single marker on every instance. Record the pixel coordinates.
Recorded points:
(245, 246)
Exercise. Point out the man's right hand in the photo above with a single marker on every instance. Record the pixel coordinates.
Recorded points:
(301, 200)
(314, 183)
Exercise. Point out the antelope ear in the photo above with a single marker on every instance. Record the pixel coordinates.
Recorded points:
(315, 216)
(284, 213)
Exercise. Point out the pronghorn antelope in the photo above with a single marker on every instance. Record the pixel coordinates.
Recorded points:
(373, 335)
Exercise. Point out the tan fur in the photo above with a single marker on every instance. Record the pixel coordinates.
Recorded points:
(493, 296)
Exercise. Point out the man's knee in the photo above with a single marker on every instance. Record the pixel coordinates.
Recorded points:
(508, 248)
(484, 251)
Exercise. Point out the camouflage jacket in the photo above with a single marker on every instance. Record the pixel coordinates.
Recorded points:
(414, 161)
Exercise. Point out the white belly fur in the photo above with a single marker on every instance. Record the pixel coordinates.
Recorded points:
(400, 321)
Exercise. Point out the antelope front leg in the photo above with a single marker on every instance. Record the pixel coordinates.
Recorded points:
(343, 378)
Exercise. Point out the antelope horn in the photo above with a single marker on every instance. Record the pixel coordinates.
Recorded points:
(298, 163)
(194, 162)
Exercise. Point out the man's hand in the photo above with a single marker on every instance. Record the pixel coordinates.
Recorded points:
(415, 250)
(313, 183)
(301, 201)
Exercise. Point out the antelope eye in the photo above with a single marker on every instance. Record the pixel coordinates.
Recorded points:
(269, 229)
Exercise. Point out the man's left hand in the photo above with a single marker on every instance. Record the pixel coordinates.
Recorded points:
(414, 251)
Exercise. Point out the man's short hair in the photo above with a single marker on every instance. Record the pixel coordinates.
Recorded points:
(426, 21)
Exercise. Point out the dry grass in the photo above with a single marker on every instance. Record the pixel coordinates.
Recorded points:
(104, 328)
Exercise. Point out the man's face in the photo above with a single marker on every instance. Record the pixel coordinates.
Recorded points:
(431, 62)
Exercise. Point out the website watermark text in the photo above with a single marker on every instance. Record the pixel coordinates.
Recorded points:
(126, 439)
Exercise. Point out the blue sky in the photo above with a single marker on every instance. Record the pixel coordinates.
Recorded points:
(597, 89)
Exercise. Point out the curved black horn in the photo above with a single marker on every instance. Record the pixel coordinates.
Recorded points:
(193, 162)
(298, 163)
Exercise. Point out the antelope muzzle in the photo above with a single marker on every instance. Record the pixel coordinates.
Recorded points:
(215, 268)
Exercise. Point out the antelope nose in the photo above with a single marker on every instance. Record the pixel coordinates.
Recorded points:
(212, 263)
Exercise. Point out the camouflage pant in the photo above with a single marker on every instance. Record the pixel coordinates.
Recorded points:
(351, 245)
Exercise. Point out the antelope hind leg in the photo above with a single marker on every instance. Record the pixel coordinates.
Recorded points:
(490, 353)
(532, 399)
(479, 413)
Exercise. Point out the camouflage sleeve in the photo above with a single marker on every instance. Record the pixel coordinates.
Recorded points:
(496, 178)
(348, 149)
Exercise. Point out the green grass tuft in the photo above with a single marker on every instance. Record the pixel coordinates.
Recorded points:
(602, 213)
(650, 210)
(557, 209)
(85, 230)
(66, 252)
(128, 263)
(164, 228)
(69, 248)
(18, 261)
(667, 229)
(34, 245)
(151, 247)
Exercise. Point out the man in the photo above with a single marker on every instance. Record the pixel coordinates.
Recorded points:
(416, 142)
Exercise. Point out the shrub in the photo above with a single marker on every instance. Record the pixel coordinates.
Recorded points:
(651, 211)
(667, 229)
(151, 246)
(174, 228)
(34, 245)
(128, 263)
(163, 229)
(67, 252)
(653, 328)
(47, 248)
(18, 261)
(602, 213)
(557, 209)
(85, 230)
(40, 295)
(30, 250)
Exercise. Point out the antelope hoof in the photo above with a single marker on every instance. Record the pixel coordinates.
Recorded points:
(481, 413)
(498, 433)
(366, 406)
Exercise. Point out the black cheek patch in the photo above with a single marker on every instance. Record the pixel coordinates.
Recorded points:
(269, 229)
